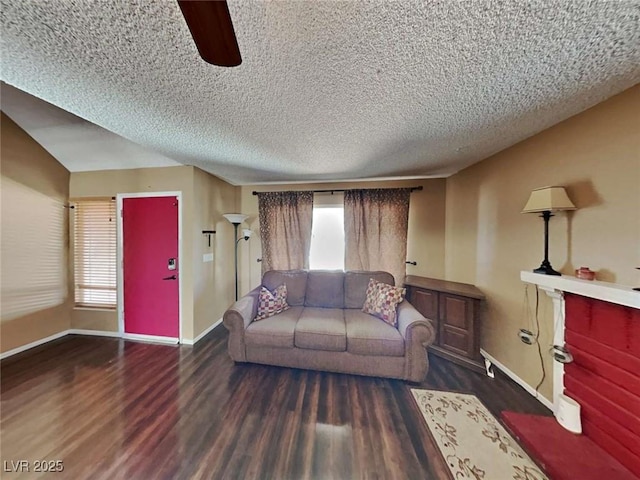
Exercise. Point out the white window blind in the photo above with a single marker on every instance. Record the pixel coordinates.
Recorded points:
(34, 250)
(94, 253)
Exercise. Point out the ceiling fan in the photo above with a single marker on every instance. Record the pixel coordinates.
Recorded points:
(210, 25)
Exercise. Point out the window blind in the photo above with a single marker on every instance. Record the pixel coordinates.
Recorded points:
(34, 250)
(94, 253)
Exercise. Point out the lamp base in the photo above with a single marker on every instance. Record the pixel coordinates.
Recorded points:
(546, 269)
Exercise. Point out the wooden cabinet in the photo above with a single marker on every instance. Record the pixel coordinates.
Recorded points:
(454, 312)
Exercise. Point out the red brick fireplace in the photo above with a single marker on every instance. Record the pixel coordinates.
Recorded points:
(599, 324)
(604, 378)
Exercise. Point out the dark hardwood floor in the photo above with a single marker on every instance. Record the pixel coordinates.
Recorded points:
(110, 409)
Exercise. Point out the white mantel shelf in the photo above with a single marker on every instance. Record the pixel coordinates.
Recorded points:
(608, 292)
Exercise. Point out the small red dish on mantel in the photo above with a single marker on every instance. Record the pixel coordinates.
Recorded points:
(585, 273)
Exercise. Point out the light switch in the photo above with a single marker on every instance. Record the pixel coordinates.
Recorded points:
(207, 257)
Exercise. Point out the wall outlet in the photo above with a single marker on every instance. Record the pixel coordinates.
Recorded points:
(207, 257)
(526, 336)
(561, 354)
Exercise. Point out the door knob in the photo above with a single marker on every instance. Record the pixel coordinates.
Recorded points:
(172, 277)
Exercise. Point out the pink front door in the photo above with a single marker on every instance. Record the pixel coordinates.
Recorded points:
(151, 266)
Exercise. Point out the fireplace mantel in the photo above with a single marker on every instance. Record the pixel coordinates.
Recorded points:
(608, 292)
(598, 324)
(555, 287)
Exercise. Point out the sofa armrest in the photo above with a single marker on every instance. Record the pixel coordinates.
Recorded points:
(236, 319)
(409, 319)
(418, 334)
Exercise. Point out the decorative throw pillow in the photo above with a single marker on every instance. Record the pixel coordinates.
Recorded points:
(270, 304)
(370, 295)
(381, 301)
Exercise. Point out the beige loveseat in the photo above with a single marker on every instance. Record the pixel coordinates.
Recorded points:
(325, 328)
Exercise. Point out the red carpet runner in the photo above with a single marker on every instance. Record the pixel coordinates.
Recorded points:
(562, 454)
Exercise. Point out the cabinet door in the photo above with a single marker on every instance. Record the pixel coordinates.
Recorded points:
(426, 302)
(457, 316)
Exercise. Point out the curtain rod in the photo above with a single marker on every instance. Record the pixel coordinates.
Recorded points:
(333, 190)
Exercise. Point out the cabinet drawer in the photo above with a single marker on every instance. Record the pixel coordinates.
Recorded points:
(457, 311)
(457, 324)
(426, 302)
(456, 340)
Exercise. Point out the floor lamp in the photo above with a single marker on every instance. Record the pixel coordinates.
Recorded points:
(544, 201)
(236, 219)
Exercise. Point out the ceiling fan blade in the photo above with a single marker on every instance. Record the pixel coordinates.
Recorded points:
(210, 25)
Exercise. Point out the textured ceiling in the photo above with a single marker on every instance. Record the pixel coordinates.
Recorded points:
(79, 145)
(327, 90)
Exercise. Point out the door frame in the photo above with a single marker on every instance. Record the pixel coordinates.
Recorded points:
(120, 259)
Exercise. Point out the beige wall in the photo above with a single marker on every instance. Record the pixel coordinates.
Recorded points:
(205, 285)
(596, 155)
(213, 284)
(109, 183)
(24, 161)
(425, 243)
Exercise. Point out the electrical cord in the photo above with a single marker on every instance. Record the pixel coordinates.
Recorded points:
(526, 310)
(537, 338)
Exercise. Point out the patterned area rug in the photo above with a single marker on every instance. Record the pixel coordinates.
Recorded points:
(471, 440)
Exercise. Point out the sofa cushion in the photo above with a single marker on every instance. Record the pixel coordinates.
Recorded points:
(276, 331)
(321, 329)
(270, 304)
(295, 280)
(367, 335)
(382, 300)
(325, 289)
(355, 286)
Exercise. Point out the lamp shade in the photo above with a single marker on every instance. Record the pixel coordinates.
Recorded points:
(246, 233)
(548, 199)
(235, 217)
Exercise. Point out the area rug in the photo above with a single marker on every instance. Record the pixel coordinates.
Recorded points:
(471, 440)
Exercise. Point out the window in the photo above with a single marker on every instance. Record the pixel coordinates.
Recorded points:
(34, 258)
(94, 255)
(327, 238)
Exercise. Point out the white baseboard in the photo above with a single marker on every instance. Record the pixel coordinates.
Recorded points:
(37, 343)
(532, 391)
(187, 341)
(150, 338)
(96, 333)
(101, 333)
(50, 338)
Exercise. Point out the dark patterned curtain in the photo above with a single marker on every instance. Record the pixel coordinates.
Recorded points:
(375, 230)
(285, 228)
